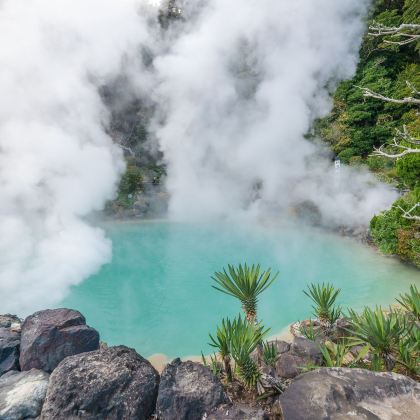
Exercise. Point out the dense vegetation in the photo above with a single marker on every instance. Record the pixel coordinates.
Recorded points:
(359, 124)
(375, 339)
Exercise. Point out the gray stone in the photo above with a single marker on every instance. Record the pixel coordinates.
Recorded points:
(9, 350)
(51, 335)
(289, 365)
(282, 346)
(343, 393)
(188, 391)
(113, 383)
(22, 394)
(307, 349)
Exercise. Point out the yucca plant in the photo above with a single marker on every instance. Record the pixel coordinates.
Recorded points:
(222, 342)
(324, 297)
(246, 284)
(270, 353)
(411, 302)
(381, 331)
(244, 340)
(334, 354)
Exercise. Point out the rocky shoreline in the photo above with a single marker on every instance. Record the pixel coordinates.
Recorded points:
(53, 366)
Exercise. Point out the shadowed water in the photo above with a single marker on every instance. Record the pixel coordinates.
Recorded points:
(156, 294)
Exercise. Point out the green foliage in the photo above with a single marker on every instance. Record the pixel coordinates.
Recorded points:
(411, 302)
(270, 353)
(409, 351)
(131, 182)
(246, 284)
(222, 342)
(244, 340)
(408, 169)
(394, 234)
(222, 339)
(347, 154)
(381, 331)
(333, 354)
(357, 124)
(324, 297)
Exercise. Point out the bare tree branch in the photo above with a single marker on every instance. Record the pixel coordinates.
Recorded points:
(408, 100)
(400, 149)
(409, 31)
(408, 214)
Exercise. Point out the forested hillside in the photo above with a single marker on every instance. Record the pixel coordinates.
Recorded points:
(375, 120)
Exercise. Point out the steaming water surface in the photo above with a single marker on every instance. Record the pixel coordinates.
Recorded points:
(156, 294)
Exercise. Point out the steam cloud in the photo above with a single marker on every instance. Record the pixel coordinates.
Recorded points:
(237, 84)
(57, 164)
(241, 88)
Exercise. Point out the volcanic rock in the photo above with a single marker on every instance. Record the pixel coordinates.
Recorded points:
(51, 335)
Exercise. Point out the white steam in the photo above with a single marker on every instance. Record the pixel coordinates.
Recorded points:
(241, 87)
(237, 85)
(57, 164)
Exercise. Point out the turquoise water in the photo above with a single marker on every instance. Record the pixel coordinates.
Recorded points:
(156, 294)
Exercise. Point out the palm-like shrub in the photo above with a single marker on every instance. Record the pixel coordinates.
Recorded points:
(381, 331)
(246, 284)
(222, 342)
(411, 302)
(324, 297)
(244, 339)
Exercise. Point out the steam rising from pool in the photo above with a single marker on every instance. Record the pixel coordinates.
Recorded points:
(241, 87)
(236, 86)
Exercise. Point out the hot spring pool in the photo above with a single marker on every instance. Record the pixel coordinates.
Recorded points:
(155, 295)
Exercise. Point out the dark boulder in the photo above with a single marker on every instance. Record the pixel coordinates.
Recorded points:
(111, 383)
(343, 393)
(307, 349)
(51, 335)
(22, 394)
(188, 391)
(9, 350)
(289, 365)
